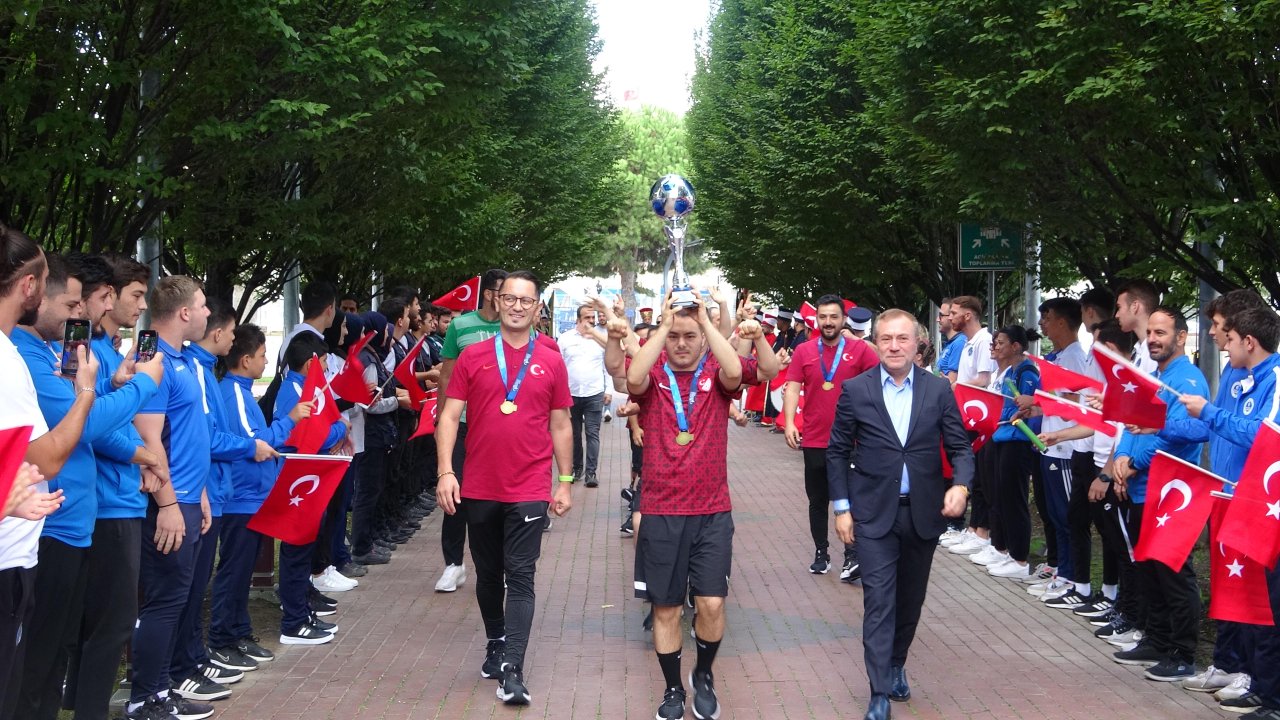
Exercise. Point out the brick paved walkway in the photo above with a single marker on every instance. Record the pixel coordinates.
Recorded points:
(985, 649)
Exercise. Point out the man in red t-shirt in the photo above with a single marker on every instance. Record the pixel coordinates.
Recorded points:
(687, 538)
(820, 367)
(516, 391)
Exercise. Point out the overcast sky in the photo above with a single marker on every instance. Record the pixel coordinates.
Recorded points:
(649, 49)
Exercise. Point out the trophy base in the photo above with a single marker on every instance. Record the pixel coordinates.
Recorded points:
(683, 298)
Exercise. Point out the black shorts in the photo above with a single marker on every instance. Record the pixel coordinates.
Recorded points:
(675, 553)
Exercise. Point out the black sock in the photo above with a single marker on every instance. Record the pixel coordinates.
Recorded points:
(706, 654)
(670, 664)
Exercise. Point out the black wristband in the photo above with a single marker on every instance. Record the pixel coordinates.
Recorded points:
(1106, 478)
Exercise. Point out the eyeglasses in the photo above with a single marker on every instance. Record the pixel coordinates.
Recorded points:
(511, 300)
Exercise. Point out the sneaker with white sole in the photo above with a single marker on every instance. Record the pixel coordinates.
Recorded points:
(1097, 606)
(306, 634)
(1126, 640)
(970, 546)
(953, 536)
(199, 687)
(987, 556)
(1043, 573)
(1010, 569)
(452, 578)
(334, 575)
(1054, 588)
(326, 583)
(1238, 688)
(512, 690)
(1210, 680)
(1069, 600)
(222, 676)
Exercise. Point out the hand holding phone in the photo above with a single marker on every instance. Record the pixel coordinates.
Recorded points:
(75, 334)
(148, 343)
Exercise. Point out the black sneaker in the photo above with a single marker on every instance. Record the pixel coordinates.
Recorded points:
(318, 598)
(591, 481)
(851, 571)
(546, 526)
(184, 709)
(627, 495)
(821, 564)
(306, 634)
(388, 546)
(250, 648)
(705, 704)
(512, 690)
(377, 556)
(492, 667)
(627, 528)
(199, 687)
(672, 707)
(1170, 670)
(1069, 601)
(1098, 606)
(222, 676)
(322, 610)
(1118, 625)
(353, 570)
(1143, 654)
(1103, 620)
(1247, 703)
(152, 709)
(319, 624)
(232, 659)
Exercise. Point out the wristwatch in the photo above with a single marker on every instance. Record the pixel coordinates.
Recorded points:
(1106, 478)
(838, 513)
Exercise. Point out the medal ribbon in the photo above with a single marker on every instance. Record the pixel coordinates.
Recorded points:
(829, 375)
(682, 415)
(502, 364)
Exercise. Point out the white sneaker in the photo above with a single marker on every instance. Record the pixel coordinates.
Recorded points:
(987, 556)
(1211, 680)
(970, 546)
(951, 537)
(1010, 568)
(1056, 589)
(325, 583)
(339, 578)
(452, 578)
(1238, 688)
(1042, 574)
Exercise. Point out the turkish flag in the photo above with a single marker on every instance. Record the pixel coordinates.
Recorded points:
(464, 298)
(13, 448)
(1237, 583)
(309, 434)
(1075, 412)
(849, 305)
(1252, 522)
(404, 373)
(427, 418)
(809, 314)
(1130, 396)
(980, 410)
(1055, 378)
(349, 382)
(296, 503)
(1171, 525)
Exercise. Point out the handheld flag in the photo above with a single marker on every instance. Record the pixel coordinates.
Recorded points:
(404, 373)
(1252, 521)
(1055, 378)
(1078, 413)
(294, 507)
(349, 382)
(13, 448)
(1178, 504)
(426, 418)
(1237, 584)
(309, 434)
(464, 298)
(1130, 396)
(980, 410)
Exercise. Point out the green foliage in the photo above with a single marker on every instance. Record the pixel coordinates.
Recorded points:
(353, 137)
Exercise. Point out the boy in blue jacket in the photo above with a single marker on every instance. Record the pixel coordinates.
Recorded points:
(246, 483)
(299, 625)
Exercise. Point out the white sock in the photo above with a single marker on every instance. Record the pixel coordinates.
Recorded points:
(1085, 589)
(1110, 591)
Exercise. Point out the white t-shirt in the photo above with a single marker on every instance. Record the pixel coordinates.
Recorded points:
(1072, 358)
(1142, 358)
(19, 539)
(976, 358)
(584, 360)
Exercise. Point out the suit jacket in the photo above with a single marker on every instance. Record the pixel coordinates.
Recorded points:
(865, 457)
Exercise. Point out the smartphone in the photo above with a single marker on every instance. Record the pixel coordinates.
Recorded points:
(75, 334)
(148, 343)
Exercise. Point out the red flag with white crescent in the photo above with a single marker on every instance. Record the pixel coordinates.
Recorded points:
(1237, 583)
(309, 434)
(980, 410)
(426, 418)
(464, 298)
(294, 507)
(349, 382)
(1130, 396)
(1252, 520)
(1179, 499)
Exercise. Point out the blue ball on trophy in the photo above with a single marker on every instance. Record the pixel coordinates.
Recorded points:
(672, 197)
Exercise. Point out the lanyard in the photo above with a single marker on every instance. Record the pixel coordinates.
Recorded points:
(502, 364)
(682, 415)
(829, 375)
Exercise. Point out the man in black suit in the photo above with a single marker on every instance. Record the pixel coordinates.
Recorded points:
(885, 470)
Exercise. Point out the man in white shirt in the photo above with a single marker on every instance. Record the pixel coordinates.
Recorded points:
(583, 351)
(976, 364)
(1135, 301)
(23, 270)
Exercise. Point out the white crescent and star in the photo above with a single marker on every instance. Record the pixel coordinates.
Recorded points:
(536, 370)
(1182, 487)
(1129, 387)
(981, 406)
(1115, 370)
(466, 295)
(318, 398)
(314, 480)
(1235, 569)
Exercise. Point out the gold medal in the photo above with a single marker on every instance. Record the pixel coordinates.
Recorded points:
(507, 407)
(828, 385)
(684, 438)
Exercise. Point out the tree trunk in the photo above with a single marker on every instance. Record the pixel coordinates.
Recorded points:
(628, 277)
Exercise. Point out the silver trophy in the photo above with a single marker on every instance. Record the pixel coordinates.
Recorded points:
(672, 199)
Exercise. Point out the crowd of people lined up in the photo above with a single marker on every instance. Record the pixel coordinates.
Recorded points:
(141, 471)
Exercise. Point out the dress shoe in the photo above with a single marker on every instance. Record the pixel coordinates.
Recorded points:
(878, 709)
(900, 691)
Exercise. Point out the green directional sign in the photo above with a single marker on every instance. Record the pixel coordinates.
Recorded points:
(990, 248)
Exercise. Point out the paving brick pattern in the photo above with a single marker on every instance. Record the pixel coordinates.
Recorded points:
(792, 650)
